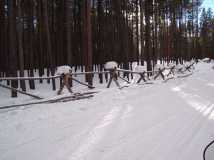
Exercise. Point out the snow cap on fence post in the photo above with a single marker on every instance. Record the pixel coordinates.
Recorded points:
(139, 68)
(110, 65)
(192, 61)
(186, 64)
(171, 65)
(159, 66)
(179, 66)
(63, 70)
(206, 60)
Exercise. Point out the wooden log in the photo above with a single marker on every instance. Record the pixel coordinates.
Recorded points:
(135, 72)
(114, 77)
(142, 77)
(160, 72)
(88, 85)
(28, 78)
(22, 92)
(171, 71)
(124, 79)
(60, 99)
(188, 68)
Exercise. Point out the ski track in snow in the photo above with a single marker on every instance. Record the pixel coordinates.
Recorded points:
(163, 121)
(96, 134)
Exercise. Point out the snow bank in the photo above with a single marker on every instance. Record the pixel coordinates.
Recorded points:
(63, 70)
(110, 65)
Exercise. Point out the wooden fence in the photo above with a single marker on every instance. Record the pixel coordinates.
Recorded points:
(114, 76)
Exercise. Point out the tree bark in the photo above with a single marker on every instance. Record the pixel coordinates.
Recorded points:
(87, 40)
(48, 38)
(20, 45)
(12, 45)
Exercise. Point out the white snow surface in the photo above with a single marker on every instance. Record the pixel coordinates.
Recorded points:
(139, 68)
(187, 64)
(179, 66)
(163, 121)
(206, 59)
(110, 65)
(171, 65)
(159, 66)
(63, 70)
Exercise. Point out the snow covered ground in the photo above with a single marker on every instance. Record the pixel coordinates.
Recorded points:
(163, 121)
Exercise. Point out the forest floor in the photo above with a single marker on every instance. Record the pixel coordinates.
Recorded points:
(162, 121)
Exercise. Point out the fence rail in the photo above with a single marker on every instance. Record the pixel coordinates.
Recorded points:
(28, 78)
(50, 77)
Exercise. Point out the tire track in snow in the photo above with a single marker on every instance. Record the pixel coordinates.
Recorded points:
(181, 136)
(204, 108)
(96, 134)
(173, 136)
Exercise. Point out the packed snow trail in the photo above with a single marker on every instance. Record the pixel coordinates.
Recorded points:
(163, 121)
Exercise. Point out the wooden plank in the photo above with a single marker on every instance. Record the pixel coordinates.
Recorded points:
(124, 79)
(90, 86)
(135, 72)
(61, 99)
(22, 92)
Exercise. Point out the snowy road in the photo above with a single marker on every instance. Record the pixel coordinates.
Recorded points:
(164, 121)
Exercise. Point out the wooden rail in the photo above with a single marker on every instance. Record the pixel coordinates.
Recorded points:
(22, 92)
(45, 78)
(28, 78)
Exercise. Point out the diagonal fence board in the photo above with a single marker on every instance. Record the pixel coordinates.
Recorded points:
(22, 92)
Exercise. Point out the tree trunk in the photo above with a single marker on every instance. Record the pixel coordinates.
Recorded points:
(87, 40)
(12, 45)
(48, 38)
(148, 34)
(20, 46)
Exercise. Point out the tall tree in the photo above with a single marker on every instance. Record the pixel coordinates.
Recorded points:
(12, 44)
(148, 6)
(20, 44)
(51, 62)
(87, 40)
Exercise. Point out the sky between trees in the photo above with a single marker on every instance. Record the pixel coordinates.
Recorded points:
(208, 4)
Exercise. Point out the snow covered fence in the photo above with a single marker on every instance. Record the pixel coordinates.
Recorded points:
(110, 68)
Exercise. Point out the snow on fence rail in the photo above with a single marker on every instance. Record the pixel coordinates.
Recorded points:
(28, 78)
